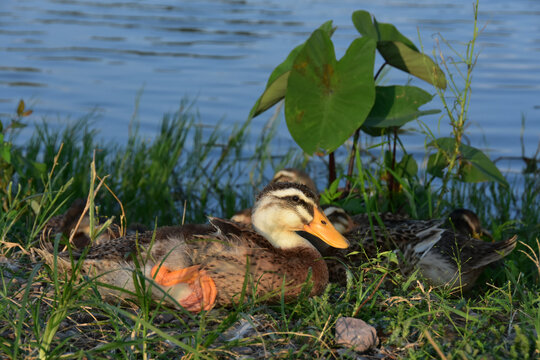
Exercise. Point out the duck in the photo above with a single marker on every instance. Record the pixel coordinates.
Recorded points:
(446, 252)
(74, 225)
(199, 266)
(291, 175)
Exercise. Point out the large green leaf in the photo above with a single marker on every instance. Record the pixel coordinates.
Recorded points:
(327, 100)
(407, 166)
(436, 164)
(397, 50)
(482, 168)
(404, 58)
(277, 82)
(365, 26)
(475, 166)
(395, 106)
(378, 31)
(274, 92)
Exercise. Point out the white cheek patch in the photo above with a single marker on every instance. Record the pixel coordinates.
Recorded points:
(304, 214)
(276, 217)
(289, 218)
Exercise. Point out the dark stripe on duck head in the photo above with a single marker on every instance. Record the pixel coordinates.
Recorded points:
(288, 185)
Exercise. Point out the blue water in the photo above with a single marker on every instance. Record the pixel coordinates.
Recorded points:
(67, 58)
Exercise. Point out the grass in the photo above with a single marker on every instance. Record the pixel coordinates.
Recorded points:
(45, 313)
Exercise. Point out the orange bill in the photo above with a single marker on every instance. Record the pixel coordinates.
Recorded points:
(322, 228)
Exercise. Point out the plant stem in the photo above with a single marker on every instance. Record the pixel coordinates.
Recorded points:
(331, 168)
(379, 71)
(391, 182)
(355, 141)
(351, 161)
(457, 120)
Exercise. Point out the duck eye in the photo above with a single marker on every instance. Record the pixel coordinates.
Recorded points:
(295, 198)
(323, 222)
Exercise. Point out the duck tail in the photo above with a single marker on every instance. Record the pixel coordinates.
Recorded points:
(498, 251)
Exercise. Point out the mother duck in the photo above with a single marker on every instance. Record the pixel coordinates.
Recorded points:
(200, 266)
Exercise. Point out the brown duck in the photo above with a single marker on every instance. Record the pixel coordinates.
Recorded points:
(446, 252)
(200, 266)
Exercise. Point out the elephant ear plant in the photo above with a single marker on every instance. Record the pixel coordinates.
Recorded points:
(329, 100)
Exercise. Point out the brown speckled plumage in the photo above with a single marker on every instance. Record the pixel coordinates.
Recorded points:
(444, 256)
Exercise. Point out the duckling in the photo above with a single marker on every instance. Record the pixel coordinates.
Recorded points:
(201, 266)
(344, 223)
(284, 175)
(443, 256)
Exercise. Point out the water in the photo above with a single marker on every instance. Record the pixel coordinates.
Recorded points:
(68, 58)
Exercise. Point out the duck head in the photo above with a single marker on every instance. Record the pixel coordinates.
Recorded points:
(288, 215)
(466, 222)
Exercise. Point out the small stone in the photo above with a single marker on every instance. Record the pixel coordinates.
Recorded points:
(356, 334)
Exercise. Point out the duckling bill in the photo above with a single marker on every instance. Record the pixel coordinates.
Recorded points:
(201, 266)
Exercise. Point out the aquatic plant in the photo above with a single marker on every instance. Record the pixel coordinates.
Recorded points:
(327, 100)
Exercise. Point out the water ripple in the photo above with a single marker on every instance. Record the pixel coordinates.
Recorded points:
(76, 55)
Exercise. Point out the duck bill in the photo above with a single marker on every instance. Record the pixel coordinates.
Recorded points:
(322, 228)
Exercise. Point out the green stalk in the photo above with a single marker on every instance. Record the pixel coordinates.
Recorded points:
(463, 96)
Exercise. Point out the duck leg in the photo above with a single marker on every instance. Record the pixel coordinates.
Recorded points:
(204, 291)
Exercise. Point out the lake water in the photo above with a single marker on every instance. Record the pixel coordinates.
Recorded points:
(67, 58)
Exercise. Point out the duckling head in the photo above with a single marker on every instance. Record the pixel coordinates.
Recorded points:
(288, 215)
(295, 176)
(339, 218)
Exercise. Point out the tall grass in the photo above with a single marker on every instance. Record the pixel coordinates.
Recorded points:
(156, 178)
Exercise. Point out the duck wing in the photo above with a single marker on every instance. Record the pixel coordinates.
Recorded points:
(472, 253)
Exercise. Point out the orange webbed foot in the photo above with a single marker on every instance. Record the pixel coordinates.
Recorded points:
(204, 291)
